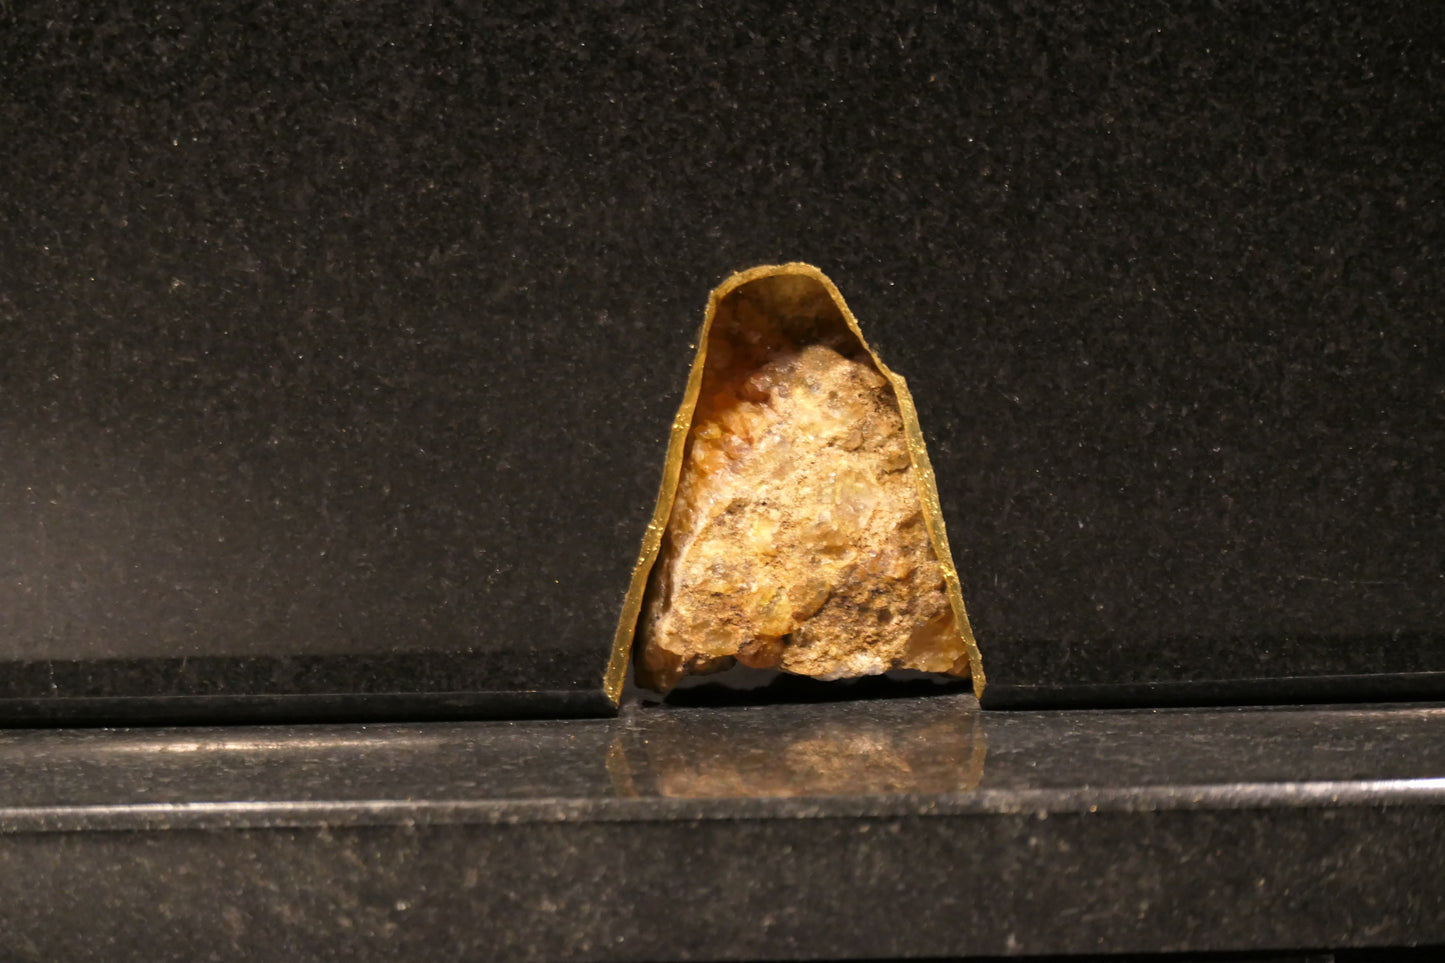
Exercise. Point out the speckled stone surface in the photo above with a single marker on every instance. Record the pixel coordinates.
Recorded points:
(861, 829)
(332, 334)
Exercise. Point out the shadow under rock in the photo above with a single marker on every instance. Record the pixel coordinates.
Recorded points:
(741, 686)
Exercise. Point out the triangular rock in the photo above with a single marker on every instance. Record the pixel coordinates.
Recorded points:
(802, 529)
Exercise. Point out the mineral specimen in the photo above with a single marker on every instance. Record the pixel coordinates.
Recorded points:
(798, 537)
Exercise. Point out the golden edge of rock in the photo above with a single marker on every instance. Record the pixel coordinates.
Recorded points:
(622, 641)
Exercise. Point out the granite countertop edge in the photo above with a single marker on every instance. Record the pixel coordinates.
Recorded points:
(1034, 802)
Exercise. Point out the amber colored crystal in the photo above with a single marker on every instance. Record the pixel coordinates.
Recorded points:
(798, 537)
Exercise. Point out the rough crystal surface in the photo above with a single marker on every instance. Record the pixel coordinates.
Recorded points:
(796, 539)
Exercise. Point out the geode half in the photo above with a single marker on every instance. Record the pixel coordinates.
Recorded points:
(798, 526)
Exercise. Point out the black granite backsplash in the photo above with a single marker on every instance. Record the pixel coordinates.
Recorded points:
(353, 332)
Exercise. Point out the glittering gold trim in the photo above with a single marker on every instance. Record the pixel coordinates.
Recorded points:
(672, 472)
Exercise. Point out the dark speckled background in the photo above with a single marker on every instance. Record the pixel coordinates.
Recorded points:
(353, 332)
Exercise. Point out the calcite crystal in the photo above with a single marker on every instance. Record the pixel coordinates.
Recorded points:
(799, 535)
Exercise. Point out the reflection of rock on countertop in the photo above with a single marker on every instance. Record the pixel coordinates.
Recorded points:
(807, 750)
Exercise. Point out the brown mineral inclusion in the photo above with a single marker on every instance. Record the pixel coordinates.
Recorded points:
(798, 525)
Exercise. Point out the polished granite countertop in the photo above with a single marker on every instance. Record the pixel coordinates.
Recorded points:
(785, 830)
(902, 755)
